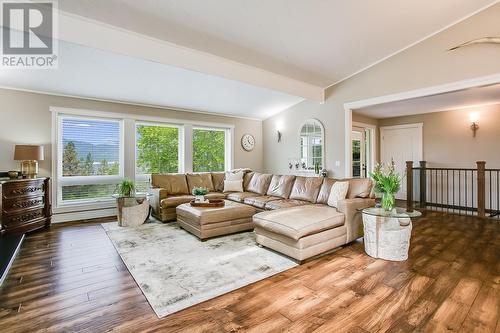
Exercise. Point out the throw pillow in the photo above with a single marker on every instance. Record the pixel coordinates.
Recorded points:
(234, 176)
(338, 192)
(233, 185)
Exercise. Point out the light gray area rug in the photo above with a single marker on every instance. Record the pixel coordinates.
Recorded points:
(175, 270)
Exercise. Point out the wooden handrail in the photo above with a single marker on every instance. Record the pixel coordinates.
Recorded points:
(481, 188)
(409, 186)
(480, 185)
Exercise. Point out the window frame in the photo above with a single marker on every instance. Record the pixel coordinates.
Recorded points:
(228, 154)
(127, 150)
(180, 153)
(84, 180)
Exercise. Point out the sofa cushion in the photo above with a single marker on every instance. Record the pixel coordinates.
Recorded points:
(218, 181)
(298, 222)
(285, 203)
(259, 183)
(306, 188)
(175, 184)
(200, 180)
(247, 177)
(240, 196)
(359, 188)
(280, 186)
(260, 202)
(324, 191)
(215, 195)
(176, 200)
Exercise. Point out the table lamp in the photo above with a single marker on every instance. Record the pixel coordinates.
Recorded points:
(29, 155)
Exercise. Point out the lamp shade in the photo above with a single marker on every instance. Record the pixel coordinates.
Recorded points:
(28, 153)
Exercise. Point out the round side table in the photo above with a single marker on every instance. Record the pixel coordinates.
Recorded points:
(387, 234)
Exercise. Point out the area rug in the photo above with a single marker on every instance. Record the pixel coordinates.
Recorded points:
(175, 270)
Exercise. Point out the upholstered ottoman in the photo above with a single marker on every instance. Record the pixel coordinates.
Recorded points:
(301, 232)
(210, 222)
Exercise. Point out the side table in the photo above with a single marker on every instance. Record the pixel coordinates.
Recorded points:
(387, 234)
(133, 211)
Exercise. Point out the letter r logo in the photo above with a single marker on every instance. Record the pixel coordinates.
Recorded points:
(28, 28)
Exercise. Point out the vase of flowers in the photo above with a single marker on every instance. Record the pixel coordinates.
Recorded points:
(199, 194)
(387, 182)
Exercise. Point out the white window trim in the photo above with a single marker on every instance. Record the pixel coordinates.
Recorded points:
(228, 145)
(126, 170)
(60, 181)
(180, 157)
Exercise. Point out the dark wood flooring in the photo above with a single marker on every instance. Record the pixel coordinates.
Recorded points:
(70, 279)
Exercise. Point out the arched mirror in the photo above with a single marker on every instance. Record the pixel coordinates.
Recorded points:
(312, 138)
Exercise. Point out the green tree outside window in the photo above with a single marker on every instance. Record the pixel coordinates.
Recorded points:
(157, 149)
(208, 150)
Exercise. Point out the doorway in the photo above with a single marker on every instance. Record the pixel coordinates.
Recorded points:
(363, 150)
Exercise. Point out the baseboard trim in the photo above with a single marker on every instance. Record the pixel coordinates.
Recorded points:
(83, 215)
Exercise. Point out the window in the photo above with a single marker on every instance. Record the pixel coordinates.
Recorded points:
(94, 151)
(157, 151)
(311, 145)
(209, 149)
(90, 158)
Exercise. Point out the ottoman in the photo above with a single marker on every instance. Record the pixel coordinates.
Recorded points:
(301, 232)
(205, 222)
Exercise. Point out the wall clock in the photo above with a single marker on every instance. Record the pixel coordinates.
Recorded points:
(248, 142)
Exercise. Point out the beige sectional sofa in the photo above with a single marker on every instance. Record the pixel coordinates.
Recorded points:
(292, 214)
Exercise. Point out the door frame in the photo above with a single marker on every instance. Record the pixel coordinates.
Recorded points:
(349, 107)
(373, 140)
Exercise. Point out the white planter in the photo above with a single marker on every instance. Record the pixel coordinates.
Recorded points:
(387, 237)
(199, 198)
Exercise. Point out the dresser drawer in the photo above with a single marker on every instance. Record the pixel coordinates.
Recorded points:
(18, 204)
(16, 190)
(9, 220)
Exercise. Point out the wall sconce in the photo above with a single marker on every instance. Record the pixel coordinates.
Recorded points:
(279, 127)
(474, 117)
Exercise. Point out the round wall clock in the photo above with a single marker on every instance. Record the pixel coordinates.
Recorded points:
(247, 142)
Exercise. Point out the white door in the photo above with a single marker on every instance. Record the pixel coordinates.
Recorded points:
(401, 143)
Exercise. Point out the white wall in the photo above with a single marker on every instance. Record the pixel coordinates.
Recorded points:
(424, 65)
(25, 119)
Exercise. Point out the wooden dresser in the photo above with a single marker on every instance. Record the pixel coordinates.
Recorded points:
(25, 205)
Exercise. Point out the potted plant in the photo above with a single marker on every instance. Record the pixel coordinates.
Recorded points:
(126, 201)
(126, 188)
(387, 182)
(199, 193)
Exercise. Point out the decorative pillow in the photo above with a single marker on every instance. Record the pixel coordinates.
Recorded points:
(338, 192)
(233, 185)
(234, 176)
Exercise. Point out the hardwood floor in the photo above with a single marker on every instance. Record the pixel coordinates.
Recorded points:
(71, 279)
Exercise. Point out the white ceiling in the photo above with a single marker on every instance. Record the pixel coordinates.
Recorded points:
(315, 41)
(98, 74)
(442, 102)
